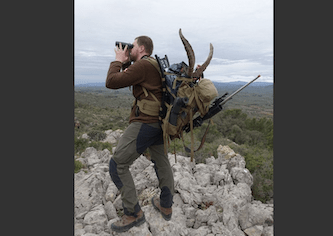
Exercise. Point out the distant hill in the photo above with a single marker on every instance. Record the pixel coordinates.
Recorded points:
(241, 83)
(255, 87)
(217, 84)
(99, 84)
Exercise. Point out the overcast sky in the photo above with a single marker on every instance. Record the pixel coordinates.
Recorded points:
(241, 32)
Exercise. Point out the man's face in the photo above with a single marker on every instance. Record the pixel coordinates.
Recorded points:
(135, 51)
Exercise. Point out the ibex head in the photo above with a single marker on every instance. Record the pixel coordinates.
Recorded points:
(191, 58)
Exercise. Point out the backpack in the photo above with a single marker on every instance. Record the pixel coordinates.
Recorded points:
(184, 96)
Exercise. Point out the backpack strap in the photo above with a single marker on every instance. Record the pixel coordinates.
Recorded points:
(149, 107)
(203, 139)
(165, 125)
(146, 106)
(154, 63)
(192, 136)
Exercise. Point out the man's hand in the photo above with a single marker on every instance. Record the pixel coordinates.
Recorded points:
(122, 55)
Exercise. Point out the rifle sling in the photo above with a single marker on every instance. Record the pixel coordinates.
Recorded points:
(202, 140)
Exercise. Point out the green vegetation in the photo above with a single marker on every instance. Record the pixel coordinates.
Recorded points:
(77, 166)
(97, 135)
(80, 145)
(94, 120)
(254, 101)
(245, 125)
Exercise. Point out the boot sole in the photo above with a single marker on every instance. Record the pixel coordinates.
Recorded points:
(166, 217)
(120, 229)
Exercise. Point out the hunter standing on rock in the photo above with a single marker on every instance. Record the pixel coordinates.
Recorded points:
(143, 132)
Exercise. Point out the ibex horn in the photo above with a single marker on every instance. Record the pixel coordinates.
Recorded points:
(190, 54)
(202, 68)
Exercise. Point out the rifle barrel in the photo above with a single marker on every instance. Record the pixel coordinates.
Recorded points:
(238, 90)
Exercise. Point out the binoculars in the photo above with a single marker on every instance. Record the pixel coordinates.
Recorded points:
(129, 45)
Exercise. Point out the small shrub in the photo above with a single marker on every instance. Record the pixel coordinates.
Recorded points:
(80, 144)
(208, 150)
(101, 146)
(105, 126)
(77, 166)
(96, 135)
(262, 188)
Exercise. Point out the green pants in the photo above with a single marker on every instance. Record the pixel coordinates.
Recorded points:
(135, 140)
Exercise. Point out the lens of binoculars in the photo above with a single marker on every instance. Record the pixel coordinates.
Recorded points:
(129, 45)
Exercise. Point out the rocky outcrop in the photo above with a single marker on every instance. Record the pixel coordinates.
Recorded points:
(111, 136)
(211, 199)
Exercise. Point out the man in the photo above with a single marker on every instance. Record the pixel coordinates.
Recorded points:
(143, 132)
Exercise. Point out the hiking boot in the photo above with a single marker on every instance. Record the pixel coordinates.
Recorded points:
(126, 222)
(166, 212)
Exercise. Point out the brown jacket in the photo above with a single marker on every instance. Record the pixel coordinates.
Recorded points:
(140, 74)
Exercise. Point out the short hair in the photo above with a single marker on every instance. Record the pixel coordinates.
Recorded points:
(147, 43)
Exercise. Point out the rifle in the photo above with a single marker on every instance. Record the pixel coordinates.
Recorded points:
(215, 108)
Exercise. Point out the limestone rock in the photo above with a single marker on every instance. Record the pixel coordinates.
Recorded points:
(210, 199)
(134, 231)
(96, 220)
(241, 175)
(110, 211)
(202, 174)
(225, 152)
(89, 192)
(78, 229)
(205, 217)
(112, 136)
(236, 161)
(256, 213)
(160, 227)
(91, 159)
(145, 179)
(203, 230)
(139, 165)
(268, 231)
(111, 192)
(218, 228)
(222, 177)
(118, 203)
(233, 199)
(254, 231)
